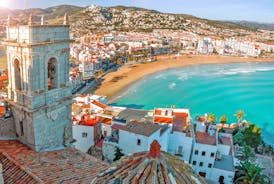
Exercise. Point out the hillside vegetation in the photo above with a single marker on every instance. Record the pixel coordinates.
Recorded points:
(121, 18)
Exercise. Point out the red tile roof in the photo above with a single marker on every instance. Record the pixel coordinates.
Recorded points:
(142, 168)
(159, 119)
(88, 120)
(86, 106)
(62, 166)
(117, 126)
(205, 138)
(106, 120)
(158, 112)
(99, 104)
(2, 110)
(14, 173)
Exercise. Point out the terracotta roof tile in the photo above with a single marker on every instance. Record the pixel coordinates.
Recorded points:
(67, 166)
(158, 119)
(205, 138)
(13, 173)
(99, 104)
(142, 168)
(117, 126)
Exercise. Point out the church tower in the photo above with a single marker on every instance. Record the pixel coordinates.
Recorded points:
(39, 92)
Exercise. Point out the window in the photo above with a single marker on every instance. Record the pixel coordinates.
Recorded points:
(201, 164)
(194, 162)
(21, 128)
(52, 74)
(17, 74)
(209, 165)
(212, 154)
(180, 149)
(138, 142)
(203, 153)
(84, 134)
(196, 152)
(203, 174)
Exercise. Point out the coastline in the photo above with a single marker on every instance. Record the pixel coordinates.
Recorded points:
(117, 83)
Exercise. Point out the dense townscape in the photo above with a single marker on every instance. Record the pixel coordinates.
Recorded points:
(54, 130)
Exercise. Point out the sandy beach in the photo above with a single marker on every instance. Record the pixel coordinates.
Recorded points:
(116, 82)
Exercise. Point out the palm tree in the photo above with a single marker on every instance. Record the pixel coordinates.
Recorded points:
(240, 114)
(210, 119)
(223, 119)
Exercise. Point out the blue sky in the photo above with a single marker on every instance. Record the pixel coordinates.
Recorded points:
(253, 10)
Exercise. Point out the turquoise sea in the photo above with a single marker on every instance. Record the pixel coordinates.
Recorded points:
(221, 89)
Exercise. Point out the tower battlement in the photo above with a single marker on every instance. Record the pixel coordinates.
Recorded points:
(37, 34)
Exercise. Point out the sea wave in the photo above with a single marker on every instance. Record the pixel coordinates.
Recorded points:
(172, 85)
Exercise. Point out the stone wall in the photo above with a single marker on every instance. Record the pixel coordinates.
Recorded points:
(7, 128)
(109, 150)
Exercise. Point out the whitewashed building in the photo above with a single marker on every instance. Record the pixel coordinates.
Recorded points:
(87, 132)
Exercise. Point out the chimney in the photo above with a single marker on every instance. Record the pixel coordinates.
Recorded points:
(1, 174)
(155, 149)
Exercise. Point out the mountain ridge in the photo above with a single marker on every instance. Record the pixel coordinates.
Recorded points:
(123, 18)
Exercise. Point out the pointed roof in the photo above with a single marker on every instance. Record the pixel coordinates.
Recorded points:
(142, 168)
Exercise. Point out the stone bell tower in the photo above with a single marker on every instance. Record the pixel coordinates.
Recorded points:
(39, 92)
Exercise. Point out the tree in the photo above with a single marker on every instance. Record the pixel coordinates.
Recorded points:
(223, 119)
(211, 118)
(250, 173)
(240, 114)
(252, 135)
(247, 153)
(238, 138)
(118, 154)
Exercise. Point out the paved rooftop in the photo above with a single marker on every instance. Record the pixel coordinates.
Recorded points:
(134, 114)
(226, 163)
(141, 128)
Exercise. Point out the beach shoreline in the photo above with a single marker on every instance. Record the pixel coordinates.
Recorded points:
(115, 84)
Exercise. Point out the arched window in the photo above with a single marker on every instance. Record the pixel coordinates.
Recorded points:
(17, 75)
(52, 74)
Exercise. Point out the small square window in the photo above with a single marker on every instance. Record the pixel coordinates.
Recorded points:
(84, 134)
(201, 164)
(203, 153)
(138, 142)
(209, 165)
(212, 154)
(196, 152)
(194, 163)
